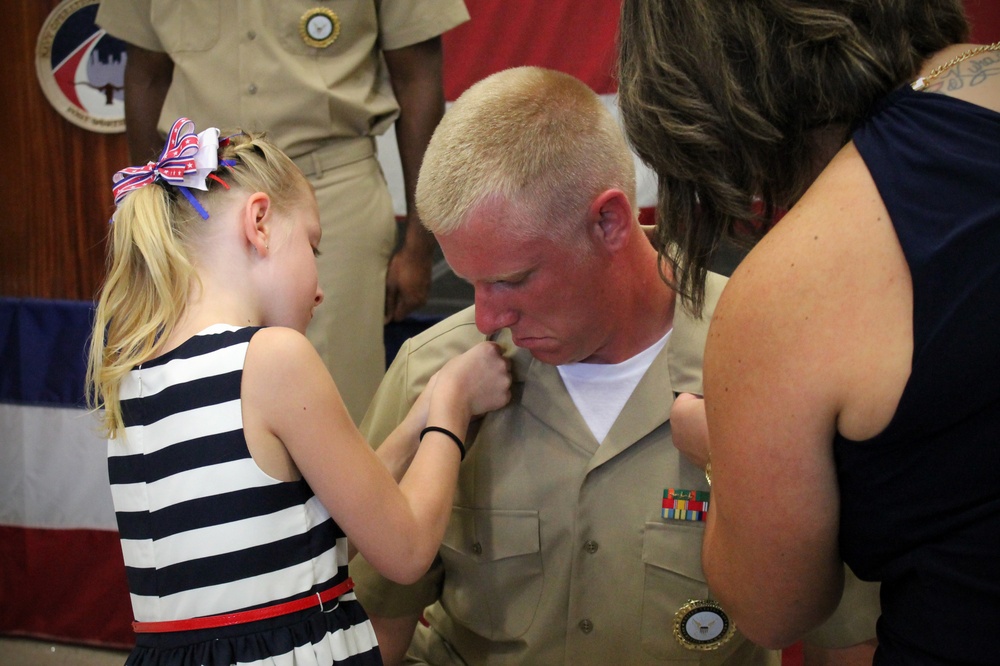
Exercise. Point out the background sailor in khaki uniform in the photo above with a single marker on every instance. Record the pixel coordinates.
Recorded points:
(323, 78)
(558, 551)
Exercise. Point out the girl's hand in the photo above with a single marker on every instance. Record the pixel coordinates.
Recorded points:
(480, 377)
(689, 427)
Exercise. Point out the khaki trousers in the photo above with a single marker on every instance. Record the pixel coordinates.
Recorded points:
(359, 233)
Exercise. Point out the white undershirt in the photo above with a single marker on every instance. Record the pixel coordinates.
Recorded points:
(600, 390)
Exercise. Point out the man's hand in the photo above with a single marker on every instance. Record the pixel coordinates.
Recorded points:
(407, 282)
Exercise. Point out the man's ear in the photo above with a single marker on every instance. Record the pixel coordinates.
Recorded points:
(256, 219)
(611, 220)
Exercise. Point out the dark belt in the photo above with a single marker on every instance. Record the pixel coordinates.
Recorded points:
(335, 154)
(228, 619)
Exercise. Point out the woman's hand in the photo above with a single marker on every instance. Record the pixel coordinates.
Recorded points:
(690, 428)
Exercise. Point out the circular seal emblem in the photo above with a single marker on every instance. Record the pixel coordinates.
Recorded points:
(319, 27)
(702, 625)
(81, 68)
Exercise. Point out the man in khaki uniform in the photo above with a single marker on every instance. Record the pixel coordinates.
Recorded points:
(558, 551)
(560, 548)
(323, 78)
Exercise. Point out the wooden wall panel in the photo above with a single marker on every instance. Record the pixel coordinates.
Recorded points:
(55, 177)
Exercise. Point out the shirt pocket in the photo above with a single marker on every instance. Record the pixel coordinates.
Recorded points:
(671, 557)
(493, 570)
(356, 25)
(185, 25)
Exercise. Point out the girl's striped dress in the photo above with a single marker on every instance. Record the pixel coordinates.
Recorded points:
(205, 532)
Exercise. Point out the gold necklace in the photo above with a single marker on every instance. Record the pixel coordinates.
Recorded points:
(922, 82)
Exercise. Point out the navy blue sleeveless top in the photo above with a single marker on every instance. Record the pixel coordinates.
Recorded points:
(920, 503)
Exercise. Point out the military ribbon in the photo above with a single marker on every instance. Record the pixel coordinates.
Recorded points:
(679, 504)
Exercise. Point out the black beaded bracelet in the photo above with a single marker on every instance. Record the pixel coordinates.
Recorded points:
(449, 433)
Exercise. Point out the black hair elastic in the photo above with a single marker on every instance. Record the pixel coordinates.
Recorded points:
(449, 433)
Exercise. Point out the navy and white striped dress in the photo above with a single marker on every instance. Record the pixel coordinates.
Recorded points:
(205, 531)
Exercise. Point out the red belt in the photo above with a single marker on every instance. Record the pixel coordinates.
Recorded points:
(229, 619)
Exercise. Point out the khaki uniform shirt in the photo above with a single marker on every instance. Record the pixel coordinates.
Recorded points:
(557, 551)
(245, 63)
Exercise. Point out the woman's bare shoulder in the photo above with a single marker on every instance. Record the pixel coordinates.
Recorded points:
(828, 293)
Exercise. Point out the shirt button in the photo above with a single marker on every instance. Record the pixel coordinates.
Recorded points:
(252, 88)
(477, 548)
(590, 546)
(586, 626)
(251, 35)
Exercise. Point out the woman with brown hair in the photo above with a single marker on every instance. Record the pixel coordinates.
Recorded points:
(851, 390)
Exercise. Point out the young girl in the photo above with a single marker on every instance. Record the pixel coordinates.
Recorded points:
(236, 471)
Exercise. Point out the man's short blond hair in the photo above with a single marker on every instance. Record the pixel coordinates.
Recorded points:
(539, 140)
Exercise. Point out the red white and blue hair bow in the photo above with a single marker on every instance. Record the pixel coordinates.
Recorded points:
(186, 161)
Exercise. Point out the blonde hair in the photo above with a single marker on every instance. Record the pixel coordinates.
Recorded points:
(149, 268)
(538, 139)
